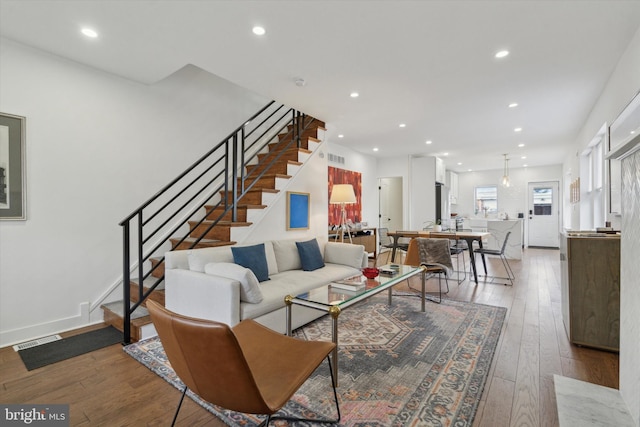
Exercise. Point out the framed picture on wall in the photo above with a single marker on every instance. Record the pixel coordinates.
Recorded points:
(12, 168)
(297, 211)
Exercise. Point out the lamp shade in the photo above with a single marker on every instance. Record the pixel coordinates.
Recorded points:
(342, 193)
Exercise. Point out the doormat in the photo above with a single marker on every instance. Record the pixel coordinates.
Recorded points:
(66, 348)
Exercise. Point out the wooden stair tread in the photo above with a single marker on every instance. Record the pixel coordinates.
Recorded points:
(208, 242)
(266, 190)
(249, 206)
(223, 223)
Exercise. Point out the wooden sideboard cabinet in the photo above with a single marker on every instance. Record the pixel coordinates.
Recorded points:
(590, 290)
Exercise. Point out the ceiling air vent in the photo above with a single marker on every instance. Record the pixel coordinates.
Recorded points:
(334, 158)
(35, 343)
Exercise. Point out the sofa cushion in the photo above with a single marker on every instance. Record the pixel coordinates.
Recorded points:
(252, 257)
(198, 258)
(249, 286)
(294, 282)
(310, 255)
(287, 256)
(344, 253)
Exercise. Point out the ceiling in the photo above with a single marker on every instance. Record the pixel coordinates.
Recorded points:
(427, 64)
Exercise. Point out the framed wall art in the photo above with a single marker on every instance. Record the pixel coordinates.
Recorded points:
(12, 168)
(354, 210)
(297, 211)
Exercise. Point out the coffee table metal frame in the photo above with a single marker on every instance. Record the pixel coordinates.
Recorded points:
(334, 300)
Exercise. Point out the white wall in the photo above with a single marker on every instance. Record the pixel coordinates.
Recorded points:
(97, 145)
(511, 200)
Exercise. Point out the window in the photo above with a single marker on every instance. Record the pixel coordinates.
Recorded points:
(542, 200)
(486, 200)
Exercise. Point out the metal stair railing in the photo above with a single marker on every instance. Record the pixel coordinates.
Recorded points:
(219, 173)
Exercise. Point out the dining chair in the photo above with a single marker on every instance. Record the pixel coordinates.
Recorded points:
(248, 368)
(435, 256)
(458, 247)
(500, 253)
(387, 243)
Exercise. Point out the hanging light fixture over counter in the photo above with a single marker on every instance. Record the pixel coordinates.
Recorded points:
(505, 176)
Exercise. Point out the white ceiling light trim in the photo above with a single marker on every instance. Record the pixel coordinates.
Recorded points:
(259, 31)
(502, 53)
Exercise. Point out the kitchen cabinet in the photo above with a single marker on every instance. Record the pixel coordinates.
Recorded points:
(440, 171)
(590, 289)
(452, 181)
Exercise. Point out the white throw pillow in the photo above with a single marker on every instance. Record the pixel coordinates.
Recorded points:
(249, 286)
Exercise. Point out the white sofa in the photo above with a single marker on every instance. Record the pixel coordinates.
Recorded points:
(192, 290)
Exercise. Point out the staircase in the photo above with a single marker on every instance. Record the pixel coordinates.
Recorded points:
(240, 181)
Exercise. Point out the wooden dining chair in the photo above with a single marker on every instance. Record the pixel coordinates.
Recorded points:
(248, 368)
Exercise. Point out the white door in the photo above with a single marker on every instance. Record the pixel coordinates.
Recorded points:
(544, 214)
(390, 199)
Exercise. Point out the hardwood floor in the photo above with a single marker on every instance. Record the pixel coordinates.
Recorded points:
(107, 387)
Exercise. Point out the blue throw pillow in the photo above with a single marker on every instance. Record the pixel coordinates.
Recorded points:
(253, 258)
(310, 255)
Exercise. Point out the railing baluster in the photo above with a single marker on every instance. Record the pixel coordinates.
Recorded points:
(140, 258)
(126, 248)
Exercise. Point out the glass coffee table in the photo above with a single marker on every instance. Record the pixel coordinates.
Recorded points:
(333, 300)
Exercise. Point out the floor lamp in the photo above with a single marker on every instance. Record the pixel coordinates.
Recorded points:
(343, 194)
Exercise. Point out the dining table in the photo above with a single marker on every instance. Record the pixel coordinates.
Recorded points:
(467, 236)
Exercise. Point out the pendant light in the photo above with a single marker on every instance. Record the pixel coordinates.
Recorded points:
(505, 176)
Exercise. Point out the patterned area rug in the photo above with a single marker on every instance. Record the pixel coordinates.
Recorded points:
(397, 365)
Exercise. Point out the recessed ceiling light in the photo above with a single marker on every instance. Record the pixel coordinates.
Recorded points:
(354, 94)
(459, 163)
(89, 33)
(521, 145)
(402, 125)
(259, 31)
(632, 132)
(502, 54)
(469, 170)
(523, 157)
(341, 136)
(375, 149)
(429, 142)
(513, 105)
(525, 165)
(445, 154)
(517, 130)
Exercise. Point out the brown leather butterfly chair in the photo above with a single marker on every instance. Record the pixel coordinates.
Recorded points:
(248, 368)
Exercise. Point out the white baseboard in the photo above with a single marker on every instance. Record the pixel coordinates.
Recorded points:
(17, 336)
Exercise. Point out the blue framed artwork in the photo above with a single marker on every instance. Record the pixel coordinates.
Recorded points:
(297, 211)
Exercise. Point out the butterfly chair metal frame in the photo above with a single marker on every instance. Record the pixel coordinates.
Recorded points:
(434, 255)
(248, 368)
(500, 253)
